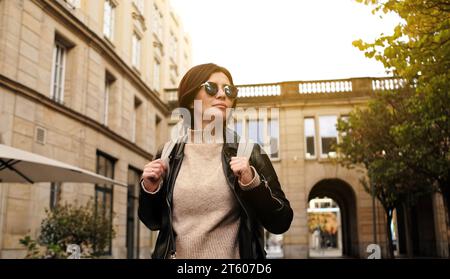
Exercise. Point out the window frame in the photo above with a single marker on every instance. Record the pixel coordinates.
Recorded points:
(140, 6)
(245, 127)
(321, 154)
(136, 48)
(268, 143)
(173, 45)
(109, 83)
(109, 27)
(55, 194)
(58, 71)
(313, 118)
(104, 190)
(106, 102)
(136, 224)
(156, 82)
(157, 23)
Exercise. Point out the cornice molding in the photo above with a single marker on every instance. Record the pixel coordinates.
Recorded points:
(37, 97)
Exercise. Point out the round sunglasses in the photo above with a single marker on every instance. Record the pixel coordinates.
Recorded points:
(212, 89)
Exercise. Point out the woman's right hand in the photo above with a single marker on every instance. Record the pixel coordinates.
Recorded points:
(153, 173)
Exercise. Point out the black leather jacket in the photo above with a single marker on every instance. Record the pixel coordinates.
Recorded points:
(264, 206)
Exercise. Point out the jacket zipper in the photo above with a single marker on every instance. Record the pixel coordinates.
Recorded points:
(173, 252)
(172, 237)
(270, 191)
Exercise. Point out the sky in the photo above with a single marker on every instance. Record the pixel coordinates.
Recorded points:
(262, 41)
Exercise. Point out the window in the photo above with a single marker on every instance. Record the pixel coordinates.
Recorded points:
(136, 51)
(156, 75)
(255, 130)
(139, 5)
(157, 23)
(185, 62)
(273, 132)
(109, 80)
(104, 193)
(328, 135)
(135, 121)
(264, 131)
(310, 132)
(173, 74)
(108, 19)
(58, 71)
(173, 46)
(55, 194)
(132, 237)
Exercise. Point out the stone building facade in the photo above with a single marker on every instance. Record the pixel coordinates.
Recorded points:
(81, 82)
(85, 82)
(301, 130)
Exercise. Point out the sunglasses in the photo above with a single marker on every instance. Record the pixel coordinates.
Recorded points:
(212, 88)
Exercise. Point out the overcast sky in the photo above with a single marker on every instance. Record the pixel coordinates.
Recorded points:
(263, 41)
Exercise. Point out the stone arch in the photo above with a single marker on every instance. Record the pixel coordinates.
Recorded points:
(345, 197)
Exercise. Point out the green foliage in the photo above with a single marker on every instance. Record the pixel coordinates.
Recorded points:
(32, 247)
(69, 224)
(371, 138)
(420, 43)
(403, 137)
(418, 52)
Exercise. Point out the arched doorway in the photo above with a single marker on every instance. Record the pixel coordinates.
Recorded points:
(344, 197)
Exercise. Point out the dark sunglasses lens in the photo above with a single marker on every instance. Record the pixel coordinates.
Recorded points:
(211, 88)
(230, 91)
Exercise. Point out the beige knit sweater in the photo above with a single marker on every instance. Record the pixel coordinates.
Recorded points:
(205, 211)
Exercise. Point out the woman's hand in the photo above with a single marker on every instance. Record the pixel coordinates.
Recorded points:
(152, 174)
(241, 168)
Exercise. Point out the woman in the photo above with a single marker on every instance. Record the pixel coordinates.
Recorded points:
(208, 203)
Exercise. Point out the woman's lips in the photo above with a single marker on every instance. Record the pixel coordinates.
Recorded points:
(221, 106)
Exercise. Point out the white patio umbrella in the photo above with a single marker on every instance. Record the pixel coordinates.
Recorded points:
(17, 165)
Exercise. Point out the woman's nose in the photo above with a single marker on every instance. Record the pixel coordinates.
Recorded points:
(221, 93)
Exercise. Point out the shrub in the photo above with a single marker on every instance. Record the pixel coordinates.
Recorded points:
(68, 224)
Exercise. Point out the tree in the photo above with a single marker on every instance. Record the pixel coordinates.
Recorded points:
(68, 224)
(418, 52)
(369, 138)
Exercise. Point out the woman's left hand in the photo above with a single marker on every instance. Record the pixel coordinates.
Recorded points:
(241, 168)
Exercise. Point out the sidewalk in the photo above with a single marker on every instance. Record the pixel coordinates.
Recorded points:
(325, 253)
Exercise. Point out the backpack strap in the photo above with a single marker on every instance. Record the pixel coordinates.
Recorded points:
(168, 147)
(245, 148)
